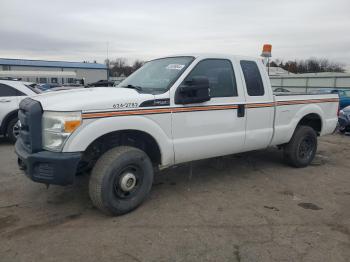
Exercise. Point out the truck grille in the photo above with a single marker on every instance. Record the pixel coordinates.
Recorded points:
(29, 114)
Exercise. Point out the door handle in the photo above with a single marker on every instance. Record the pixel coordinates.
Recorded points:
(4, 101)
(241, 110)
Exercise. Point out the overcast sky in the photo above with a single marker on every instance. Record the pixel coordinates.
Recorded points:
(75, 30)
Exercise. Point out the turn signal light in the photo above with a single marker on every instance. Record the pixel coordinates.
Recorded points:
(70, 126)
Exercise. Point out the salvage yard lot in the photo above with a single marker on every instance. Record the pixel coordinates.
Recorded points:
(247, 207)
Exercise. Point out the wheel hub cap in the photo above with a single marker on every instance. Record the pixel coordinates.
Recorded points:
(127, 182)
(306, 148)
(16, 128)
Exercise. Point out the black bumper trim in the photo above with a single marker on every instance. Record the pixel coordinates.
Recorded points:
(48, 167)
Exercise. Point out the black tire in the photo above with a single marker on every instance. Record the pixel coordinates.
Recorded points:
(342, 130)
(10, 130)
(107, 176)
(301, 149)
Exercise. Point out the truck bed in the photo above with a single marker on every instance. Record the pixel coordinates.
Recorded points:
(299, 93)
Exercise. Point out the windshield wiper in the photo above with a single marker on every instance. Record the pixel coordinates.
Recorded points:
(138, 88)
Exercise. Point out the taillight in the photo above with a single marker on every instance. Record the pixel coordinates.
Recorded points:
(338, 107)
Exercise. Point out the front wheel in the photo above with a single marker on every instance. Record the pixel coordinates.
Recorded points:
(301, 149)
(12, 131)
(121, 180)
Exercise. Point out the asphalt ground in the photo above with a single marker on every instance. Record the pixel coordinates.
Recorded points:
(246, 207)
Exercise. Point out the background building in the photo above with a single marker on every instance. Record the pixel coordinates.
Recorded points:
(42, 71)
(310, 82)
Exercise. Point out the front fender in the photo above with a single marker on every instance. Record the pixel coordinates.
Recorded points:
(92, 129)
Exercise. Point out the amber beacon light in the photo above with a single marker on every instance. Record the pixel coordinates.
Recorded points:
(266, 54)
(267, 48)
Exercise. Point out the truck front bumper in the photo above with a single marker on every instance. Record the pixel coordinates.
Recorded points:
(48, 167)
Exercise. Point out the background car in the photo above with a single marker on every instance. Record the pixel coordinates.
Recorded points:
(281, 89)
(63, 88)
(11, 94)
(45, 87)
(344, 97)
(101, 83)
(344, 120)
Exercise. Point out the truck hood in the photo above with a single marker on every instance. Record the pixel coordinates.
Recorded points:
(91, 99)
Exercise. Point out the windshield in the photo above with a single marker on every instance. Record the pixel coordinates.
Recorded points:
(158, 75)
(34, 88)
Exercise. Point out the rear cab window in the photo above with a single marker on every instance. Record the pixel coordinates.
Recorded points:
(252, 77)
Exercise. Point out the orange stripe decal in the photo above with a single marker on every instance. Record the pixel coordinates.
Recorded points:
(158, 111)
(201, 108)
(311, 101)
(258, 105)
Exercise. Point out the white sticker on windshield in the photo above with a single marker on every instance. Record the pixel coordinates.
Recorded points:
(175, 67)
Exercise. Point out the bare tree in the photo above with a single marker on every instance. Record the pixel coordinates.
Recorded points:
(117, 66)
(137, 64)
(120, 67)
(311, 65)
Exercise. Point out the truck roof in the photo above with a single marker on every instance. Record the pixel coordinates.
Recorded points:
(217, 55)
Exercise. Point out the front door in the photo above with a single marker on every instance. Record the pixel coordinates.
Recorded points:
(215, 127)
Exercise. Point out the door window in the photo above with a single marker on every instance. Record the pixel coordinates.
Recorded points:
(6, 90)
(221, 77)
(252, 77)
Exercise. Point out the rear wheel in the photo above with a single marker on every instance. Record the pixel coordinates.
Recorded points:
(301, 149)
(12, 131)
(121, 180)
(342, 129)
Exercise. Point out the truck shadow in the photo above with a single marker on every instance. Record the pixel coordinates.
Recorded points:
(197, 175)
(245, 165)
(58, 205)
(4, 141)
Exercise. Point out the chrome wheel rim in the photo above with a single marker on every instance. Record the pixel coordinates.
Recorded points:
(306, 148)
(16, 128)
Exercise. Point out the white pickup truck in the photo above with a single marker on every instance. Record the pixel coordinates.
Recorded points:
(172, 110)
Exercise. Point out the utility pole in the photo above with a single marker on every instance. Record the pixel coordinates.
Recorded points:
(107, 61)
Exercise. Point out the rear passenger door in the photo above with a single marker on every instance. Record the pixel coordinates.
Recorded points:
(215, 127)
(259, 105)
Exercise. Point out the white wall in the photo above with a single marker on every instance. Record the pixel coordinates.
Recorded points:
(310, 83)
(90, 75)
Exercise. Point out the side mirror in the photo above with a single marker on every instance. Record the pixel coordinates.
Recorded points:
(193, 91)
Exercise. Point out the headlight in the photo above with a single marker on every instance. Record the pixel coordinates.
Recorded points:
(57, 127)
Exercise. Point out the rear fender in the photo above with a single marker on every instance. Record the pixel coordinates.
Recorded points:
(283, 133)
